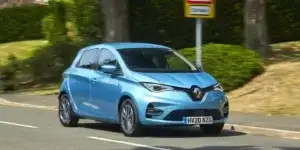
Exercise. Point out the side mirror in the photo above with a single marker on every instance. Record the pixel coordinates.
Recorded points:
(110, 69)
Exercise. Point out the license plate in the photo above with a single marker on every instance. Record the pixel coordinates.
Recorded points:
(198, 120)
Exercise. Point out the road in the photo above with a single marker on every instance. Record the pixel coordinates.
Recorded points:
(24, 128)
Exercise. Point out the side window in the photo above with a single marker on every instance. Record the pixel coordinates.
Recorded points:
(108, 57)
(89, 59)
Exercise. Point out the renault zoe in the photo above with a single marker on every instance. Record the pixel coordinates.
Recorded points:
(137, 85)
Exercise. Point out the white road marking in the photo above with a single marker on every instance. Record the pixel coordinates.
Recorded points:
(9, 103)
(126, 143)
(20, 125)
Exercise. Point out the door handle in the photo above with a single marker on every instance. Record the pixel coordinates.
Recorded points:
(94, 79)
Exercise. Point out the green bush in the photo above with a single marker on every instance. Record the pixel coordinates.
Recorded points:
(8, 74)
(88, 20)
(22, 23)
(48, 62)
(231, 65)
(54, 25)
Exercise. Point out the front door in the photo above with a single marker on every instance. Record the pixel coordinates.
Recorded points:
(80, 81)
(105, 88)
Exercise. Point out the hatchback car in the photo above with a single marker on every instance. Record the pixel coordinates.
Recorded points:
(138, 85)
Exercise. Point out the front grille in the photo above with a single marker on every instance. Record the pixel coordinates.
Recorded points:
(177, 115)
(189, 91)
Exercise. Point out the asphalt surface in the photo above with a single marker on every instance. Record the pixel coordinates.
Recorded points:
(39, 129)
(276, 122)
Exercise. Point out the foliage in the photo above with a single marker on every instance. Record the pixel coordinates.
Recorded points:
(88, 19)
(48, 62)
(22, 49)
(153, 21)
(163, 22)
(21, 23)
(8, 74)
(79, 20)
(54, 25)
(232, 65)
(283, 25)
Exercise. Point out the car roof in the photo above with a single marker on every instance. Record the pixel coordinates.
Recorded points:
(130, 45)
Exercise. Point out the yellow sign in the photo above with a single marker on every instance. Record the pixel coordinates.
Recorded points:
(199, 8)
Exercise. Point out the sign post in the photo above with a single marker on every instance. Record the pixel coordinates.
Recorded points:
(199, 9)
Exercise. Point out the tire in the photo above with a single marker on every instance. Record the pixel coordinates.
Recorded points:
(212, 129)
(136, 128)
(71, 120)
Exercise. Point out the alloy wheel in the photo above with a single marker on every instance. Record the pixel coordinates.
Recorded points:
(64, 109)
(127, 118)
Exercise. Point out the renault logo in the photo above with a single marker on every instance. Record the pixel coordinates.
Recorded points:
(197, 92)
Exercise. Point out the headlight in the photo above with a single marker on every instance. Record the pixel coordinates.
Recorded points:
(218, 87)
(154, 87)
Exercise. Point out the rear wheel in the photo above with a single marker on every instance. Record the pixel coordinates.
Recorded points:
(129, 120)
(66, 114)
(212, 129)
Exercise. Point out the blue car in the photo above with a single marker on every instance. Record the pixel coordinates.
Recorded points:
(138, 85)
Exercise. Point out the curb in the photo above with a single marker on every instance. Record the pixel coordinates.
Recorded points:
(263, 131)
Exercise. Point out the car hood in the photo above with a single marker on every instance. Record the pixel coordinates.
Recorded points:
(185, 80)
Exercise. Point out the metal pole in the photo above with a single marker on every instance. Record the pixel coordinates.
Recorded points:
(198, 42)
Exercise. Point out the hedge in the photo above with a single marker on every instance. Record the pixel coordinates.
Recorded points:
(163, 22)
(54, 25)
(22, 23)
(80, 20)
(88, 20)
(155, 21)
(231, 65)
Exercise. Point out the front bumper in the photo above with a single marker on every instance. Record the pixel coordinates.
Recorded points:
(172, 106)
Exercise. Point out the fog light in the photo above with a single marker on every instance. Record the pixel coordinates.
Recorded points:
(152, 111)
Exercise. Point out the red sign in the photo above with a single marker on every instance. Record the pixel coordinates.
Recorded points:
(200, 1)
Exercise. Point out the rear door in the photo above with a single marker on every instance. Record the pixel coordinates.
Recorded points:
(80, 81)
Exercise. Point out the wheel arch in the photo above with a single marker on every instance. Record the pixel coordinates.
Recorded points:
(123, 98)
(61, 94)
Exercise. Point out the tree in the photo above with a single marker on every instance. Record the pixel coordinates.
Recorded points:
(256, 34)
(116, 20)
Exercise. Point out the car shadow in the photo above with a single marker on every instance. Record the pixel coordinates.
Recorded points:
(101, 126)
(208, 148)
(161, 132)
(246, 147)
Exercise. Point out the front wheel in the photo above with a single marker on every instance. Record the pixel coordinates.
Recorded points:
(66, 114)
(129, 120)
(212, 129)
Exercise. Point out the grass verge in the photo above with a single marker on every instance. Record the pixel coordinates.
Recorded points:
(276, 91)
(22, 50)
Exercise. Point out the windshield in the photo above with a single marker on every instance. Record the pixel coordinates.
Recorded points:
(155, 60)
